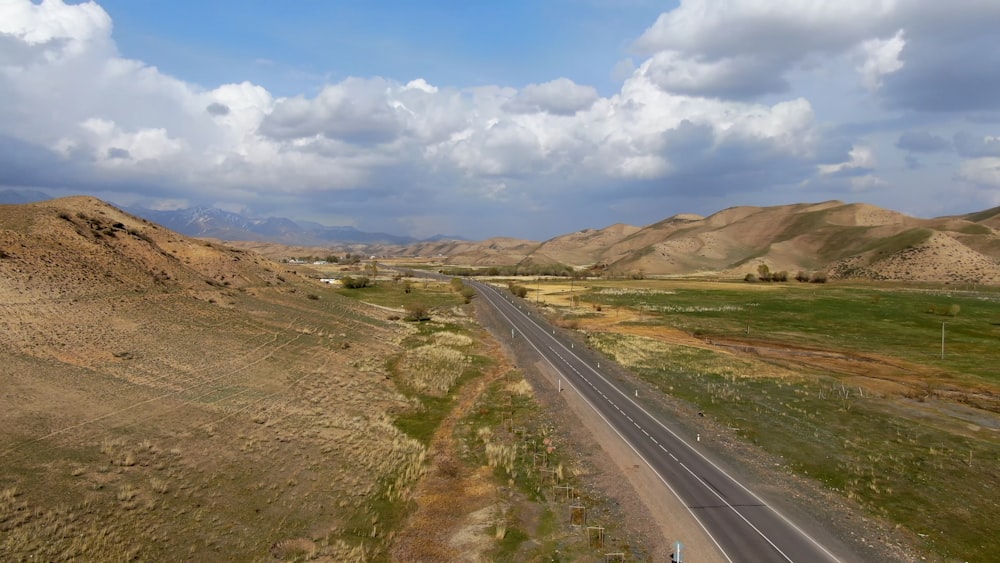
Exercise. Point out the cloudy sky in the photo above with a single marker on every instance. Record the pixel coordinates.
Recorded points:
(525, 118)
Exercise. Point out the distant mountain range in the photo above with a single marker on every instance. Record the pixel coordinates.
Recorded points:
(211, 222)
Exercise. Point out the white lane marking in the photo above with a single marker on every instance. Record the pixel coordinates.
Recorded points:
(692, 449)
(625, 440)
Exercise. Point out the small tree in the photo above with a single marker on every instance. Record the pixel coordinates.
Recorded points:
(781, 276)
(802, 276)
(750, 278)
(518, 290)
(763, 272)
(417, 312)
(467, 294)
(354, 283)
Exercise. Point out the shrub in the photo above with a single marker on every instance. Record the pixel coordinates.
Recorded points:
(140, 235)
(355, 283)
(417, 312)
(467, 294)
(750, 278)
(518, 290)
(763, 272)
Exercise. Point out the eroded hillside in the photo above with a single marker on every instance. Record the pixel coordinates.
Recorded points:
(845, 240)
(164, 398)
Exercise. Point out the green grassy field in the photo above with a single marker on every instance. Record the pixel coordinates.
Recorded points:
(918, 461)
(895, 321)
(388, 293)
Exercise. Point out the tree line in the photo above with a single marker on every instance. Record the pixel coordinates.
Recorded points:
(764, 274)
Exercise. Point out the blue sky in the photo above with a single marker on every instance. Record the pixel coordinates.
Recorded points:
(291, 48)
(522, 118)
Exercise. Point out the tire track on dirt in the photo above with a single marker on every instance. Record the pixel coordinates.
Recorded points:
(157, 398)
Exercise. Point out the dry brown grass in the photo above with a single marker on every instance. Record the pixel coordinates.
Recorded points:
(166, 399)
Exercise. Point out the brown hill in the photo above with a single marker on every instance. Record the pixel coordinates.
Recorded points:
(161, 395)
(490, 252)
(989, 218)
(86, 248)
(846, 239)
(843, 239)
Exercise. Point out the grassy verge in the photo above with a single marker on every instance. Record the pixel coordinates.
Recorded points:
(436, 360)
(535, 518)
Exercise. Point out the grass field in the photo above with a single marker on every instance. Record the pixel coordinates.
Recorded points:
(905, 323)
(911, 436)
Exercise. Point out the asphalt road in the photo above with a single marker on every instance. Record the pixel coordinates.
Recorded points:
(743, 527)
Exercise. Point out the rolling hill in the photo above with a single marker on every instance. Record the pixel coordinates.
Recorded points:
(845, 240)
(167, 398)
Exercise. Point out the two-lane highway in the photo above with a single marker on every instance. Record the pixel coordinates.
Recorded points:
(741, 525)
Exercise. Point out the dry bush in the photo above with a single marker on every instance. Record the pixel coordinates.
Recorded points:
(521, 388)
(294, 549)
(498, 454)
(501, 455)
(453, 339)
(567, 323)
(434, 368)
(127, 492)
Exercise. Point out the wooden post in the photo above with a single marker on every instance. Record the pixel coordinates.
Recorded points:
(595, 536)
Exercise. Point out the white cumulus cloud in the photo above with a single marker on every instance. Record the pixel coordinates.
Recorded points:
(561, 97)
(861, 158)
(881, 57)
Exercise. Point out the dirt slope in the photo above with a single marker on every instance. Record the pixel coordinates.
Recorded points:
(164, 399)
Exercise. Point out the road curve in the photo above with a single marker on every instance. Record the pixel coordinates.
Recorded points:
(742, 526)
